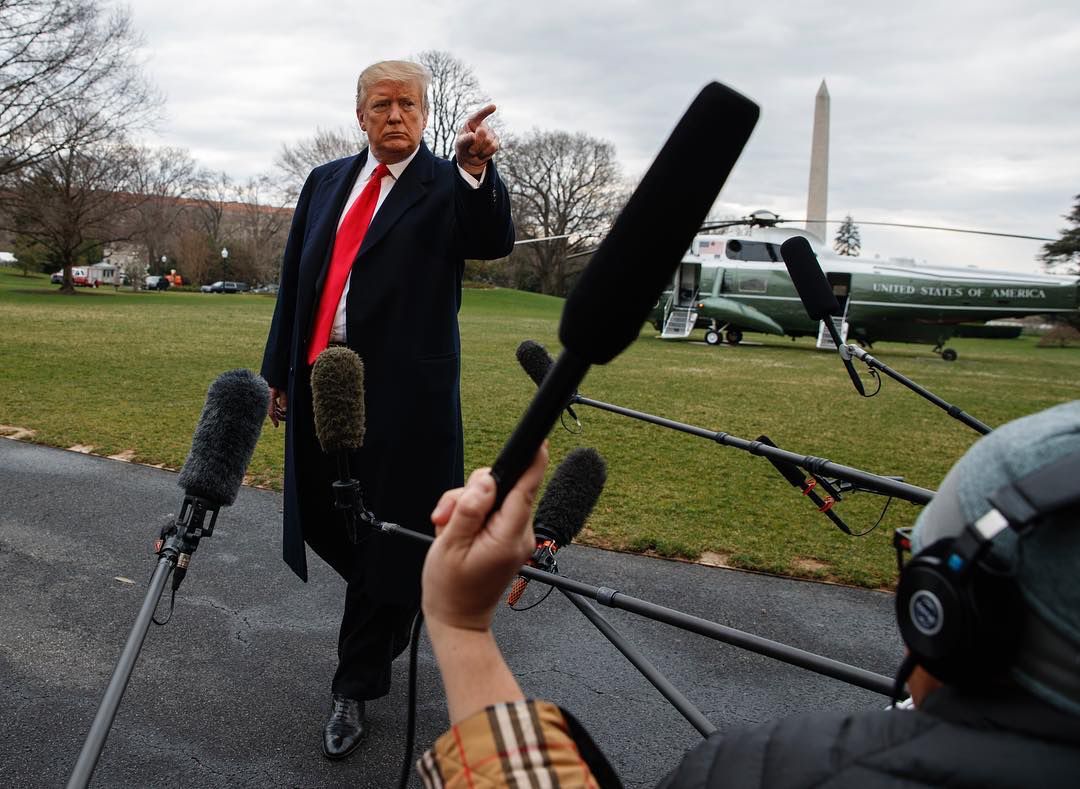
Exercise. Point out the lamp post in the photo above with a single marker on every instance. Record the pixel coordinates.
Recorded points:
(224, 263)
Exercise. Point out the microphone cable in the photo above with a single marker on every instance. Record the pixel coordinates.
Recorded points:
(410, 723)
(877, 523)
(554, 570)
(877, 378)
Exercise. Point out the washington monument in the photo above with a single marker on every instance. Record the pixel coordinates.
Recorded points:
(817, 198)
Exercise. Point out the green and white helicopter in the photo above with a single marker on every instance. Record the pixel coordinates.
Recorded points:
(731, 284)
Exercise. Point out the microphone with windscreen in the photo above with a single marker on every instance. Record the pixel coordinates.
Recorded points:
(221, 448)
(820, 303)
(566, 504)
(337, 396)
(536, 362)
(817, 296)
(617, 290)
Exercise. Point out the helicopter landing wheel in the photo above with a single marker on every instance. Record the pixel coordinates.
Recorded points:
(712, 337)
(734, 337)
(949, 355)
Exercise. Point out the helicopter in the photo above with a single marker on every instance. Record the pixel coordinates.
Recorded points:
(731, 284)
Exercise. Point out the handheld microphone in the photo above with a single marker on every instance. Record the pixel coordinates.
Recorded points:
(536, 361)
(619, 287)
(337, 397)
(817, 296)
(221, 448)
(565, 506)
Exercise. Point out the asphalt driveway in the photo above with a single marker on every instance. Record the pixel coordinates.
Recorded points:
(234, 690)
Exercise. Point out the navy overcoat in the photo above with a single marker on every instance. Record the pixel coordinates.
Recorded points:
(402, 309)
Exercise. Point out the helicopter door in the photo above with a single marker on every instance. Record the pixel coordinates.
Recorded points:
(841, 288)
(682, 311)
(687, 280)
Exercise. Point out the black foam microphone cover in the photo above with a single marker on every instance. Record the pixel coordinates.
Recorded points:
(619, 287)
(534, 360)
(225, 438)
(337, 398)
(808, 278)
(570, 496)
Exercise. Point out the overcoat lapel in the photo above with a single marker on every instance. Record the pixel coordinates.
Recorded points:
(331, 196)
(409, 188)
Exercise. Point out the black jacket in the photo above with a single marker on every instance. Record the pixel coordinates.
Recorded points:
(1010, 740)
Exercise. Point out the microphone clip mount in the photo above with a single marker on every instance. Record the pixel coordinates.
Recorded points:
(179, 539)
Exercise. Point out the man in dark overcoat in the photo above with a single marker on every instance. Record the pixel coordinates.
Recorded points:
(394, 300)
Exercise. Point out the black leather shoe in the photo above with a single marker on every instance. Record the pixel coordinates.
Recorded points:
(345, 729)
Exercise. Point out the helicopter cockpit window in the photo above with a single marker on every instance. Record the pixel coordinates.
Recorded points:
(755, 251)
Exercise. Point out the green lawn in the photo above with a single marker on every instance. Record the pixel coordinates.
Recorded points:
(128, 372)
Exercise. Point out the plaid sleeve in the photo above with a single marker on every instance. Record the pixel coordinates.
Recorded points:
(517, 744)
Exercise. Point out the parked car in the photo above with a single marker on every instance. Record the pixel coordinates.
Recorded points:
(79, 277)
(226, 287)
(156, 283)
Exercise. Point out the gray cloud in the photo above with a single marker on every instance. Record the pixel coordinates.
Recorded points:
(941, 113)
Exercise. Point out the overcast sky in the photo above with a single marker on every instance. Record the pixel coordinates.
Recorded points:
(959, 114)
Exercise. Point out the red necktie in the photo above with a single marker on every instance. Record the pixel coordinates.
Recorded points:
(346, 244)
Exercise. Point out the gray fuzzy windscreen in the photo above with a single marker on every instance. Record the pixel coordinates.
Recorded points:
(225, 437)
(534, 360)
(570, 496)
(337, 391)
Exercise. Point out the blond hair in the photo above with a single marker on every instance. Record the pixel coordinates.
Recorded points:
(402, 71)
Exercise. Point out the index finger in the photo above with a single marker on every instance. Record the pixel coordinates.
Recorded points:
(479, 117)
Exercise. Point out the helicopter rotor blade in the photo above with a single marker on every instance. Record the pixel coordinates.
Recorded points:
(927, 227)
(542, 238)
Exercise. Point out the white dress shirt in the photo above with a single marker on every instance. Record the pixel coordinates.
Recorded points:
(337, 332)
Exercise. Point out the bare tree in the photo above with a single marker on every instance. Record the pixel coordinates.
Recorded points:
(163, 178)
(560, 184)
(73, 201)
(454, 94)
(212, 197)
(295, 162)
(259, 225)
(194, 253)
(61, 59)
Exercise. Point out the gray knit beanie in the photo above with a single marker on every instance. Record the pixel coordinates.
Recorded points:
(1048, 568)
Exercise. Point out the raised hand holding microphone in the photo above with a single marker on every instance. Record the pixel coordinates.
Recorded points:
(465, 573)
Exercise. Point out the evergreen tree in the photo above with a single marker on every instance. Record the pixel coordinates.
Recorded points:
(847, 238)
(1065, 252)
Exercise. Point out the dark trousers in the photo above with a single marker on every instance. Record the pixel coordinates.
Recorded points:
(372, 633)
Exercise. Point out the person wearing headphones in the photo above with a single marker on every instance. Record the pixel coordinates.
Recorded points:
(988, 606)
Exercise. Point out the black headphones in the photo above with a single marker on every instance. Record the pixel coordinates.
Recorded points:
(958, 605)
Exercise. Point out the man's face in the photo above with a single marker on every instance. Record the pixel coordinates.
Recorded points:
(393, 118)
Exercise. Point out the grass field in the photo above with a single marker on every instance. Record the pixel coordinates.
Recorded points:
(127, 373)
